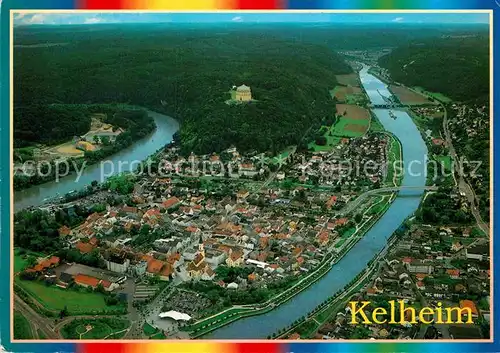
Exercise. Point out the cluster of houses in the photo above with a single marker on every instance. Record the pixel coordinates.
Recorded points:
(424, 270)
(359, 162)
(190, 232)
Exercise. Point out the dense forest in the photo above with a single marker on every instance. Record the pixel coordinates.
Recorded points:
(47, 124)
(66, 124)
(51, 124)
(191, 68)
(456, 67)
(192, 72)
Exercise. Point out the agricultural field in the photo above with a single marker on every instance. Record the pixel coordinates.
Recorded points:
(95, 328)
(407, 96)
(22, 328)
(354, 121)
(353, 112)
(347, 94)
(77, 302)
(348, 80)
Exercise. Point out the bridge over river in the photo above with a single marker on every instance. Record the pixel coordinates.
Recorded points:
(361, 198)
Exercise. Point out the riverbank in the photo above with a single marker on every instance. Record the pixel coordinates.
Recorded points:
(125, 124)
(229, 315)
(122, 161)
(350, 265)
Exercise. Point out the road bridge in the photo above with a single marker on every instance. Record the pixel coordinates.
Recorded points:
(361, 198)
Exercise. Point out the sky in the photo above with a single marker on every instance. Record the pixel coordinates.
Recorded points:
(155, 17)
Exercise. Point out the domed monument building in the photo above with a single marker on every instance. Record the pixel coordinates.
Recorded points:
(243, 93)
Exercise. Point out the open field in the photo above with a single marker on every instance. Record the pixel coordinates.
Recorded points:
(21, 261)
(444, 161)
(66, 149)
(376, 126)
(55, 299)
(439, 96)
(348, 80)
(22, 328)
(347, 127)
(332, 141)
(354, 123)
(353, 112)
(394, 175)
(346, 93)
(407, 96)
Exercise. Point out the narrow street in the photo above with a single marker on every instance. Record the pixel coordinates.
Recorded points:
(462, 184)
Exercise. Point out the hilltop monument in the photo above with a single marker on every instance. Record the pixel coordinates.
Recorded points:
(243, 93)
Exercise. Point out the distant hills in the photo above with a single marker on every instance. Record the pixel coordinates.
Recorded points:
(192, 71)
(458, 67)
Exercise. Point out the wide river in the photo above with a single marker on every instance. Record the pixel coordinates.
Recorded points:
(414, 150)
(119, 162)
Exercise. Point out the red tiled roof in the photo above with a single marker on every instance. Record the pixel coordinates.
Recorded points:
(105, 284)
(54, 260)
(438, 142)
(64, 231)
(129, 209)
(468, 304)
(331, 201)
(341, 221)
(154, 212)
(236, 254)
(171, 202)
(154, 266)
(86, 280)
(84, 248)
(167, 270)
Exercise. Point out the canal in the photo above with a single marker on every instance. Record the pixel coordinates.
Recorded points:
(414, 151)
(121, 161)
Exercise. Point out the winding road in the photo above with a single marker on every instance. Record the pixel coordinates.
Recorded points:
(462, 184)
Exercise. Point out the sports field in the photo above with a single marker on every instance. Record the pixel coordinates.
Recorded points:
(55, 299)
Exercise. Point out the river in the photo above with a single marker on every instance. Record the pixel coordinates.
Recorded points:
(414, 150)
(121, 161)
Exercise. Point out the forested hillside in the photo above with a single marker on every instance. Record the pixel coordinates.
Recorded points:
(456, 67)
(192, 71)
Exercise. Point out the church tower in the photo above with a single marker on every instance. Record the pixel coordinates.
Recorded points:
(201, 248)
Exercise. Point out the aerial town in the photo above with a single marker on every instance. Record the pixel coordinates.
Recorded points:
(371, 189)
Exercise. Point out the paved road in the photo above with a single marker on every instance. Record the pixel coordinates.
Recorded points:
(361, 198)
(463, 186)
(35, 319)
